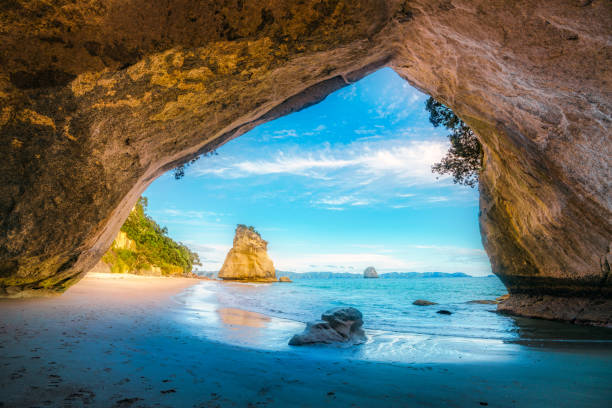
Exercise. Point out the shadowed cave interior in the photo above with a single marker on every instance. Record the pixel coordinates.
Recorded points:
(95, 108)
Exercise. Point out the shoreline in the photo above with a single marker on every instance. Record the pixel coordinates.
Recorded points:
(121, 342)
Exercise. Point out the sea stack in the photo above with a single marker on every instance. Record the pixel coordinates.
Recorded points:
(248, 259)
(370, 272)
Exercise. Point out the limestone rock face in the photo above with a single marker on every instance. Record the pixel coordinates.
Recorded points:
(248, 259)
(285, 279)
(338, 325)
(99, 98)
(370, 272)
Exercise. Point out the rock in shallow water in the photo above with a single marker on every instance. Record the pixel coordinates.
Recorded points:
(338, 325)
(444, 312)
(421, 302)
(483, 302)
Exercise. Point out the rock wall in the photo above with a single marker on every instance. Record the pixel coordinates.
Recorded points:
(248, 258)
(99, 97)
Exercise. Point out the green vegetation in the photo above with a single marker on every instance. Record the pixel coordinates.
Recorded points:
(464, 158)
(250, 228)
(153, 247)
(179, 172)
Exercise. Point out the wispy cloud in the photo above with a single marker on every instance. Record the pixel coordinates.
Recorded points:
(408, 162)
(284, 134)
(343, 200)
(340, 262)
(345, 175)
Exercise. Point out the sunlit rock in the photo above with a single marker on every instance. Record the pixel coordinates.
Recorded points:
(248, 259)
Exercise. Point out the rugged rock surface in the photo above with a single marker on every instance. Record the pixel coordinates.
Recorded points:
(370, 272)
(421, 302)
(98, 98)
(248, 259)
(285, 279)
(574, 310)
(338, 325)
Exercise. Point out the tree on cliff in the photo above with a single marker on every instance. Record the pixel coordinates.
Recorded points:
(179, 172)
(464, 158)
(154, 246)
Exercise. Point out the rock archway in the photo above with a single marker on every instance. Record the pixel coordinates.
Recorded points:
(100, 97)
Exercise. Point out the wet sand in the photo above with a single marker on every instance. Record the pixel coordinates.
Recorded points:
(119, 340)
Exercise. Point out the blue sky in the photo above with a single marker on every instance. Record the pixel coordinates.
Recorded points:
(339, 186)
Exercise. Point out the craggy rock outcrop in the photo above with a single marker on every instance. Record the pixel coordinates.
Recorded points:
(248, 259)
(338, 325)
(370, 273)
(285, 279)
(99, 97)
(575, 310)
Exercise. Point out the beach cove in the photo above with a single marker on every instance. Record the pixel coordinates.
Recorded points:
(124, 340)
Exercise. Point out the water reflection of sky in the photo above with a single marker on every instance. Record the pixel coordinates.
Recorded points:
(205, 311)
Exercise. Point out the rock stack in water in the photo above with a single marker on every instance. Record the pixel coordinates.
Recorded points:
(370, 272)
(248, 259)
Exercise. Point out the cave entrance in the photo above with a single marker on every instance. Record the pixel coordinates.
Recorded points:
(339, 186)
(335, 188)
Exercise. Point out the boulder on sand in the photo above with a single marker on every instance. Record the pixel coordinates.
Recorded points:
(421, 302)
(338, 325)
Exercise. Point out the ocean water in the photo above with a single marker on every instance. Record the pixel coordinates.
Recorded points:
(265, 316)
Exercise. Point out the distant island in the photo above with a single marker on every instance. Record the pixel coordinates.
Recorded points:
(346, 275)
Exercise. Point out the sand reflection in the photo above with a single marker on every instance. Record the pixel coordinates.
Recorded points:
(238, 317)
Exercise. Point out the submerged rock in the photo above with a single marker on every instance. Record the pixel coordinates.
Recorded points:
(248, 259)
(444, 312)
(338, 325)
(284, 279)
(370, 272)
(421, 302)
(483, 302)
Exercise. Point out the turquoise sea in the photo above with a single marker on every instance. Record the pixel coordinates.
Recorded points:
(265, 316)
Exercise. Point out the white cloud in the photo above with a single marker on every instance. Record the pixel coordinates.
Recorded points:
(211, 255)
(438, 199)
(284, 134)
(340, 262)
(407, 163)
(362, 173)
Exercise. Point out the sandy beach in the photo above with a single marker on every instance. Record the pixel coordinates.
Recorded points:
(121, 341)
